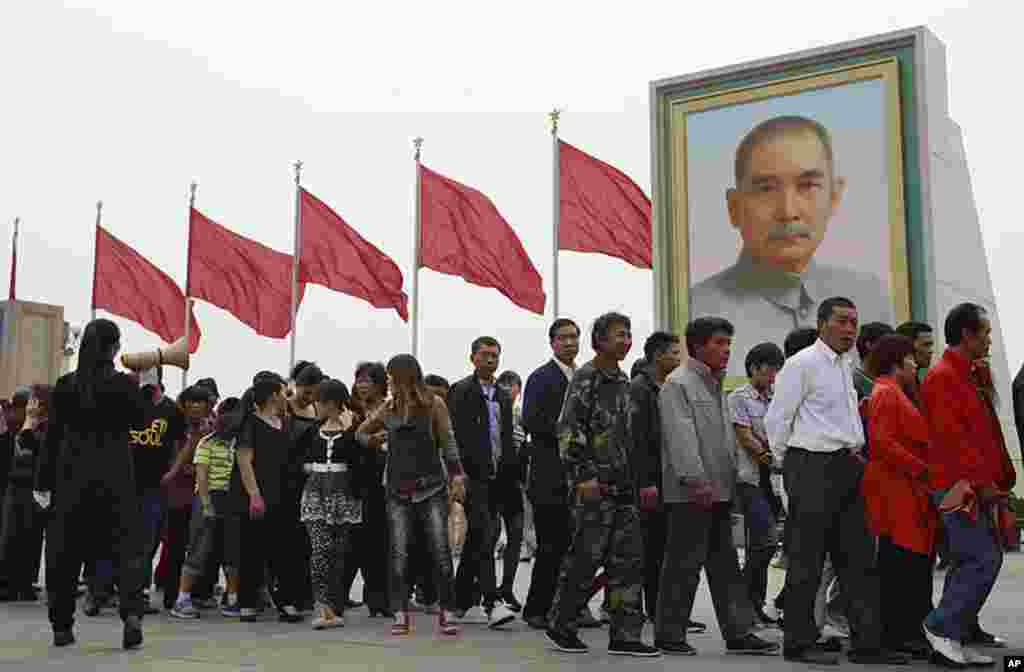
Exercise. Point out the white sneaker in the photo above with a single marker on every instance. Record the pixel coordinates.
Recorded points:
(975, 657)
(473, 616)
(945, 647)
(499, 616)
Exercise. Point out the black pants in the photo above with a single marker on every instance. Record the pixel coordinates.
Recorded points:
(21, 538)
(260, 551)
(292, 580)
(553, 523)
(826, 516)
(508, 505)
(178, 522)
(97, 517)
(653, 524)
(476, 578)
(370, 554)
(696, 539)
(906, 592)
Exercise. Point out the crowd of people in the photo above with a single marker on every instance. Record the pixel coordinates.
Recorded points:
(846, 450)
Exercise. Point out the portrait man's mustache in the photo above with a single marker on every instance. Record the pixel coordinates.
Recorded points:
(790, 230)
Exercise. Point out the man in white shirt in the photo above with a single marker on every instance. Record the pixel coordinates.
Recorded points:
(813, 418)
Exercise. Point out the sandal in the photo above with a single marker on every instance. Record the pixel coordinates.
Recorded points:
(445, 624)
(401, 626)
(325, 618)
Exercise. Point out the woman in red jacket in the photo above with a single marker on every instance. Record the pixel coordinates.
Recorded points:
(896, 495)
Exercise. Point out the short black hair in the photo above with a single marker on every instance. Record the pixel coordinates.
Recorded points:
(307, 373)
(434, 380)
(828, 306)
(914, 329)
(208, 383)
(334, 390)
(799, 339)
(484, 342)
(196, 393)
(375, 372)
(701, 330)
(509, 378)
(966, 316)
(764, 354)
(558, 324)
(657, 343)
(869, 334)
(603, 327)
(638, 366)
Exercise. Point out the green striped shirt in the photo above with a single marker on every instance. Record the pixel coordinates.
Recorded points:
(219, 456)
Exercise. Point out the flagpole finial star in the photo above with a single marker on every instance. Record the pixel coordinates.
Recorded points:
(417, 142)
(554, 116)
(298, 171)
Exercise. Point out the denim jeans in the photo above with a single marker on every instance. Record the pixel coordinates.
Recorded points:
(975, 560)
(759, 520)
(431, 517)
(152, 501)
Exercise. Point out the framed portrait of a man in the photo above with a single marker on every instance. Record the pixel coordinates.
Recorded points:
(779, 190)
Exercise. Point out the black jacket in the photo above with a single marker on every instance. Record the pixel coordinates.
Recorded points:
(542, 404)
(472, 426)
(645, 455)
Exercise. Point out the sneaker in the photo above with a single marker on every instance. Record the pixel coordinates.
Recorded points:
(696, 627)
(249, 615)
(675, 648)
(500, 615)
(635, 649)
(63, 638)
(185, 610)
(132, 636)
(230, 611)
(446, 624)
(566, 642)
(402, 624)
(472, 616)
(92, 605)
(751, 645)
(976, 658)
(289, 614)
(945, 648)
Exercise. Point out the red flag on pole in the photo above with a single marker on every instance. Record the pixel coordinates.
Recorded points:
(126, 284)
(602, 210)
(462, 233)
(245, 278)
(333, 255)
(12, 292)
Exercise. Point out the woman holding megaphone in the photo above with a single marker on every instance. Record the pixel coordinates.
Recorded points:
(86, 467)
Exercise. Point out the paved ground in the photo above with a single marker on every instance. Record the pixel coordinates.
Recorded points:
(215, 644)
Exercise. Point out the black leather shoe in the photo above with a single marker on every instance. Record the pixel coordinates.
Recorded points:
(810, 655)
(675, 648)
(132, 633)
(751, 645)
(63, 638)
(352, 604)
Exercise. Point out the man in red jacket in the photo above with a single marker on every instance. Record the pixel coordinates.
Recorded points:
(967, 462)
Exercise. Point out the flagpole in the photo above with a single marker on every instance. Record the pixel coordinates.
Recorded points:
(296, 243)
(188, 277)
(95, 250)
(418, 144)
(556, 205)
(12, 291)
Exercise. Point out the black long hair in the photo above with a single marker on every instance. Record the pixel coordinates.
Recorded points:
(264, 385)
(100, 340)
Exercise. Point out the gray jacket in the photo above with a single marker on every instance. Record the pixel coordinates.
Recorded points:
(698, 441)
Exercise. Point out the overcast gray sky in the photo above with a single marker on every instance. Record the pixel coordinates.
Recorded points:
(129, 101)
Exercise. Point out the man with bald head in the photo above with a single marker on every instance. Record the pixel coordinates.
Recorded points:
(785, 195)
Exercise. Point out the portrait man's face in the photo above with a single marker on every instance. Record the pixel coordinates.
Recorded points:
(786, 196)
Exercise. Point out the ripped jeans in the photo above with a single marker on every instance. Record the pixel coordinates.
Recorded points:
(430, 516)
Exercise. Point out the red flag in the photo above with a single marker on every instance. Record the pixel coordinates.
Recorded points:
(462, 233)
(125, 283)
(245, 278)
(12, 294)
(602, 210)
(333, 255)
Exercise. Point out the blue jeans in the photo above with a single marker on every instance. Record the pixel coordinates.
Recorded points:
(152, 501)
(975, 560)
(759, 520)
(431, 517)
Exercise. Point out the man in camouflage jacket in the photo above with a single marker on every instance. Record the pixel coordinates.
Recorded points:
(595, 443)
